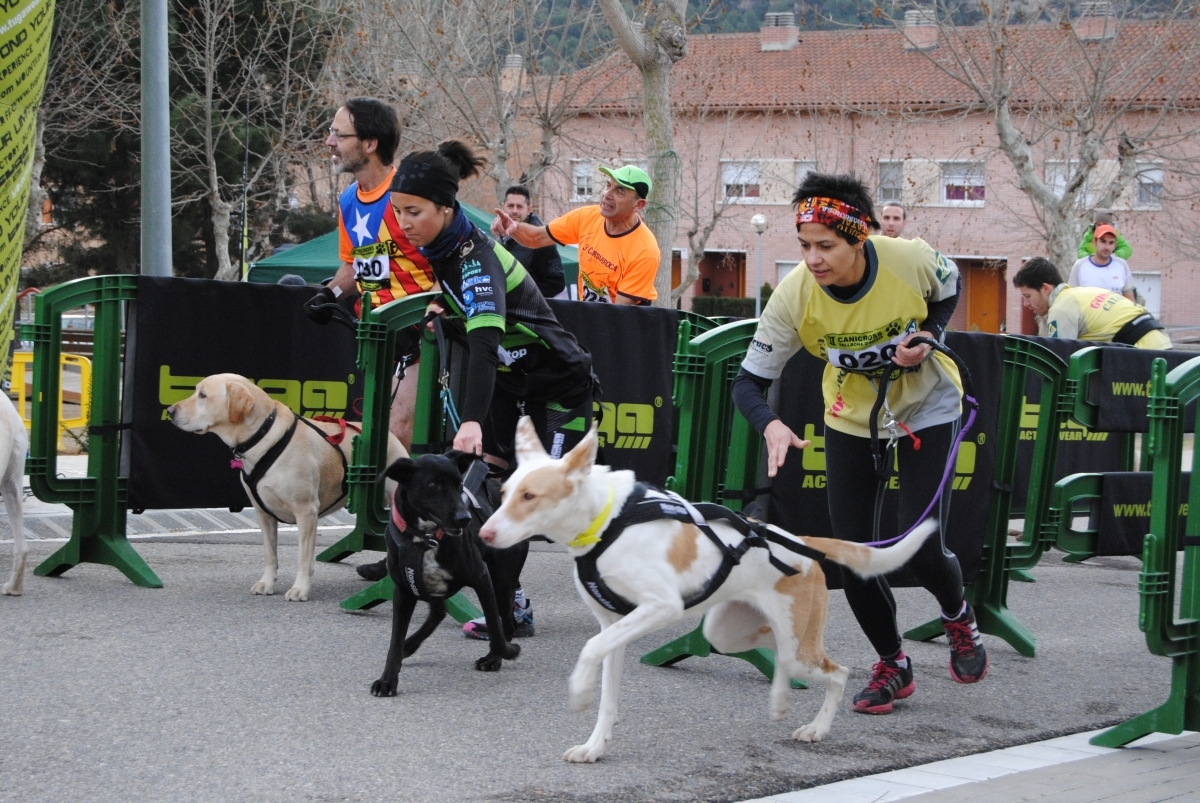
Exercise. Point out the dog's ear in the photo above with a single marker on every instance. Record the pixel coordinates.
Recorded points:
(239, 402)
(581, 459)
(527, 442)
(401, 471)
(462, 460)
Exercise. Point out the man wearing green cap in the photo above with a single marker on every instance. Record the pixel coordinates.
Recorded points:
(618, 255)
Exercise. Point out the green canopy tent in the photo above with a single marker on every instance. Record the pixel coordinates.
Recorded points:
(317, 259)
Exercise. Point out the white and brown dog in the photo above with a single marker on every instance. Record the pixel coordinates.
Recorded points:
(655, 566)
(302, 483)
(14, 443)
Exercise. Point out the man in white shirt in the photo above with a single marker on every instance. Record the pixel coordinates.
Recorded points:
(1104, 269)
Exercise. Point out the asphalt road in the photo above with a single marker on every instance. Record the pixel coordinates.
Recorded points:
(200, 691)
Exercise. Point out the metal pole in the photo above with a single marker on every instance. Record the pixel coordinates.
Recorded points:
(758, 281)
(156, 141)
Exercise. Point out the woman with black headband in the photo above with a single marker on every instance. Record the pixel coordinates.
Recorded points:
(856, 301)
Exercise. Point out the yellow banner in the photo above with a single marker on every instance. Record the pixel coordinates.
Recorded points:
(25, 27)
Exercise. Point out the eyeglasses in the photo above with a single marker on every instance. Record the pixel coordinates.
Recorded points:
(341, 136)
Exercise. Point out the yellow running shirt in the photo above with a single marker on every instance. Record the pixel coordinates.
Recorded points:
(609, 266)
(1088, 313)
(859, 335)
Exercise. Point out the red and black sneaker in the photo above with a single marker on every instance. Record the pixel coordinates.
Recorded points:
(968, 658)
(889, 682)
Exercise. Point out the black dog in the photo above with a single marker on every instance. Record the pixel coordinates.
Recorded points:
(433, 551)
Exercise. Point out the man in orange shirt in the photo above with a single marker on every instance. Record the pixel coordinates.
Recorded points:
(618, 255)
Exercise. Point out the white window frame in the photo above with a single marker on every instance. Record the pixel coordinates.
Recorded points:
(1149, 177)
(744, 178)
(890, 165)
(582, 177)
(969, 176)
(1056, 173)
(782, 268)
(803, 168)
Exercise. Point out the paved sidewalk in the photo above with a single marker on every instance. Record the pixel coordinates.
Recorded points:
(1156, 768)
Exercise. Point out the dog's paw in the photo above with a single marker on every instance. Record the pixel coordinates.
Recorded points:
(808, 733)
(513, 651)
(489, 663)
(582, 699)
(584, 753)
(384, 688)
(296, 594)
(12, 590)
(263, 587)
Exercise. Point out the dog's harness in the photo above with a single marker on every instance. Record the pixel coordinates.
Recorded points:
(267, 460)
(647, 503)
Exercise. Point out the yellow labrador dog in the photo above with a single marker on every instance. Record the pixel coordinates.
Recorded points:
(14, 443)
(290, 470)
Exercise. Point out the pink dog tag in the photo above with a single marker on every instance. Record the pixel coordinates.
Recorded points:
(235, 463)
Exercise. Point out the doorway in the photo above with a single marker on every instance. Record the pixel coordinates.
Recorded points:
(722, 273)
(981, 307)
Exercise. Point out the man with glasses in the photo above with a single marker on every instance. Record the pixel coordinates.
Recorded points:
(618, 255)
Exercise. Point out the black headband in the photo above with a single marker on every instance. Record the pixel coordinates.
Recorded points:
(425, 181)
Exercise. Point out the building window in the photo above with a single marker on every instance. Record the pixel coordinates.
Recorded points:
(1057, 175)
(581, 181)
(741, 180)
(1149, 186)
(802, 171)
(962, 183)
(891, 182)
(782, 268)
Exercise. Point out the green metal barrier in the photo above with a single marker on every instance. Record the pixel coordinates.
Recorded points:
(717, 450)
(1178, 639)
(376, 338)
(989, 593)
(99, 499)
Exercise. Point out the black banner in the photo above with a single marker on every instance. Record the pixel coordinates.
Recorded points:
(1124, 516)
(633, 352)
(1122, 384)
(187, 329)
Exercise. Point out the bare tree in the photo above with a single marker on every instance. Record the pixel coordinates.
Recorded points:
(654, 46)
(1086, 109)
(504, 74)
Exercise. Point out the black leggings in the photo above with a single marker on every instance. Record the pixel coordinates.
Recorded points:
(548, 418)
(852, 484)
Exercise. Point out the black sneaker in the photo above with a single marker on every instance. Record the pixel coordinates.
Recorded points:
(373, 571)
(968, 658)
(889, 682)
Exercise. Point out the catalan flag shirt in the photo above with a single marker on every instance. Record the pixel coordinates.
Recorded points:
(859, 335)
(370, 239)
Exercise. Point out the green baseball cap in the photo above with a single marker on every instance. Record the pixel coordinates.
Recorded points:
(631, 178)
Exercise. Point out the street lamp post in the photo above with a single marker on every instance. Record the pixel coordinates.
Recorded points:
(760, 224)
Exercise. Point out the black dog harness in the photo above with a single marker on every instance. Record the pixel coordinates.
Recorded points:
(264, 464)
(412, 560)
(647, 503)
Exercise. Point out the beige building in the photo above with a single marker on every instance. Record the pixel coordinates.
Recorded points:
(755, 111)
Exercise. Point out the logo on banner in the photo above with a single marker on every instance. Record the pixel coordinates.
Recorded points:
(307, 398)
(1069, 431)
(625, 425)
(812, 460)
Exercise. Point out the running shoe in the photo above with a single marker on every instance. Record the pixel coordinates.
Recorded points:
(968, 658)
(889, 682)
(373, 571)
(522, 613)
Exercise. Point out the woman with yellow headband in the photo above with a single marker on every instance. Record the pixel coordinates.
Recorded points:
(856, 301)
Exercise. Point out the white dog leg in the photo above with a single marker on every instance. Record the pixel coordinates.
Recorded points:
(12, 473)
(270, 531)
(610, 695)
(306, 521)
(835, 686)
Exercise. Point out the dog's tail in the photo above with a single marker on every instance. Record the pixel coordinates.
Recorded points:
(868, 561)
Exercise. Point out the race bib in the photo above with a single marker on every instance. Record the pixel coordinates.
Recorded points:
(843, 351)
(372, 266)
(592, 294)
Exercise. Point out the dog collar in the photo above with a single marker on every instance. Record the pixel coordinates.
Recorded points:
(246, 446)
(592, 534)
